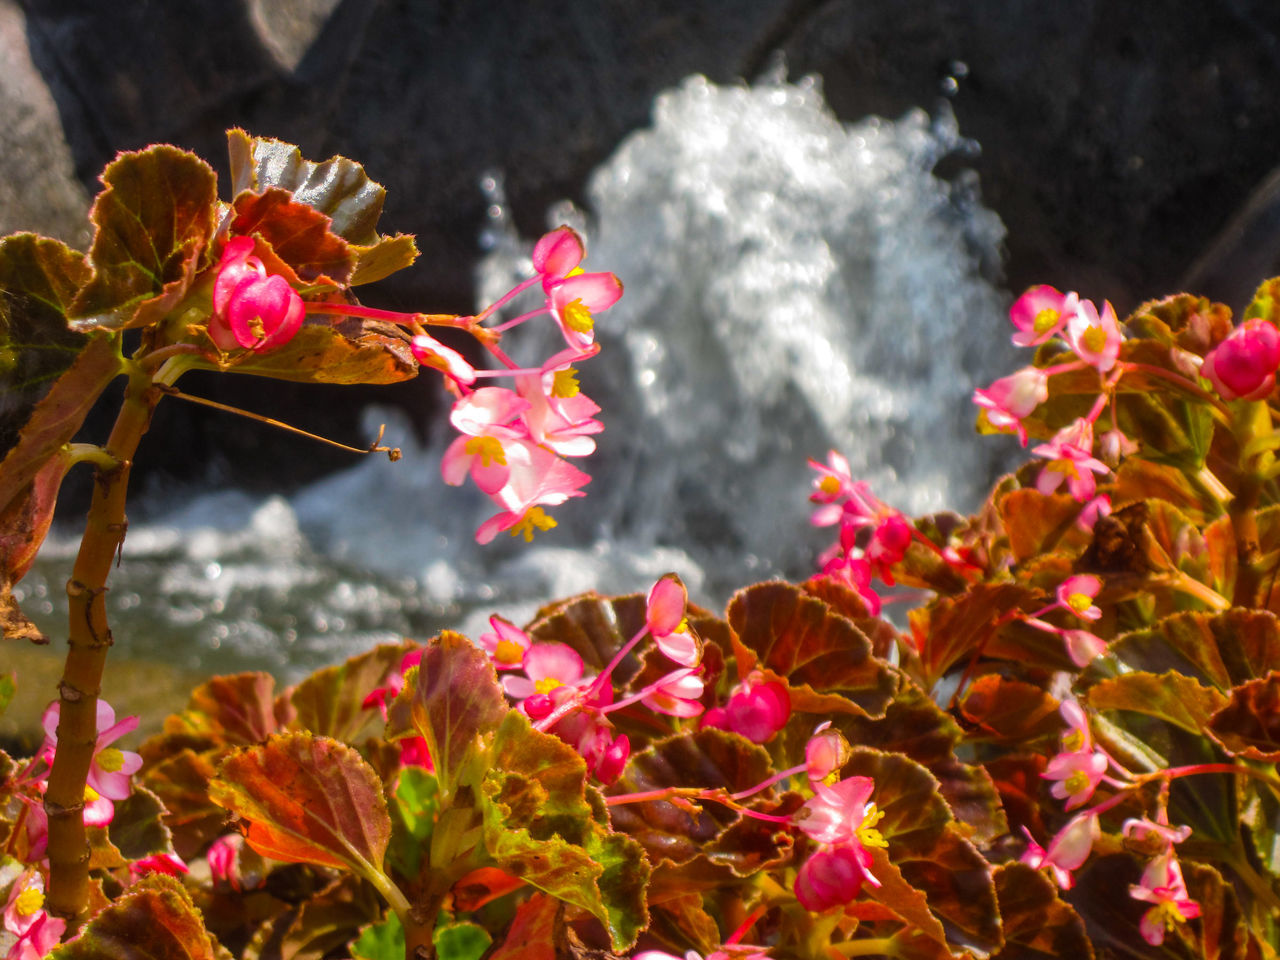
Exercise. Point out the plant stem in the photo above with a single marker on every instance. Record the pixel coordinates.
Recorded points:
(89, 638)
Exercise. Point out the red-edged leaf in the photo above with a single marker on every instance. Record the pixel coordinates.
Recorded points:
(1248, 725)
(299, 235)
(154, 920)
(307, 799)
(153, 220)
(1038, 925)
(330, 701)
(347, 351)
(235, 710)
(534, 933)
(824, 657)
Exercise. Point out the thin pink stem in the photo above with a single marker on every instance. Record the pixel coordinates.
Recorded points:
(666, 793)
(770, 782)
(508, 296)
(598, 684)
(515, 322)
(747, 924)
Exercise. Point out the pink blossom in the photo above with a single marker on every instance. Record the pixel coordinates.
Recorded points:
(677, 694)
(1077, 775)
(835, 813)
(1243, 366)
(110, 769)
(556, 254)
(1075, 595)
(833, 876)
(559, 415)
(1099, 506)
(1141, 828)
(825, 752)
(756, 709)
(484, 419)
(430, 352)
(1162, 884)
(1067, 850)
(1095, 338)
(547, 667)
(574, 301)
(888, 544)
(1083, 647)
(1114, 446)
(537, 477)
(252, 309)
(1040, 313)
(831, 488)
(167, 863)
(855, 573)
(25, 918)
(506, 645)
(1070, 455)
(222, 855)
(380, 696)
(664, 615)
(1010, 399)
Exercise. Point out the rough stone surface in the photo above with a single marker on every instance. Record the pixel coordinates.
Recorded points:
(1117, 139)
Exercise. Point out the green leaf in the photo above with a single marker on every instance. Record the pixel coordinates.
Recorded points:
(8, 687)
(138, 830)
(1218, 649)
(824, 657)
(1248, 724)
(308, 800)
(154, 920)
(542, 823)
(1174, 697)
(347, 351)
(380, 941)
(452, 699)
(460, 941)
(153, 222)
(331, 701)
(299, 235)
(1038, 925)
(413, 810)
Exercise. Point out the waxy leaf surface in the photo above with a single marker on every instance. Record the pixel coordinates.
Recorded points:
(596, 627)
(543, 824)
(307, 799)
(153, 222)
(1175, 697)
(1248, 725)
(1038, 925)
(952, 628)
(1222, 650)
(330, 701)
(1037, 523)
(299, 235)
(1010, 711)
(825, 658)
(346, 351)
(138, 829)
(154, 920)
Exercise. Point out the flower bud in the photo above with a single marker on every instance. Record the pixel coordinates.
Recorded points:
(1243, 366)
(251, 308)
(831, 877)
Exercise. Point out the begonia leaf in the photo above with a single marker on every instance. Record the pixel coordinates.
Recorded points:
(1038, 924)
(682, 923)
(308, 800)
(1017, 780)
(542, 823)
(1225, 932)
(153, 221)
(382, 258)
(1219, 649)
(951, 628)
(380, 941)
(339, 188)
(299, 235)
(1141, 479)
(958, 885)
(330, 919)
(181, 781)
(1009, 711)
(845, 601)
(452, 700)
(534, 932)
(331, 700)
(1265, 302)
(1170, 429)
(678, 832)
(234, 710)
(137, 830)
(1111, 915)
(1037, 522)
(915, 815)
(347, 351)
(482, 885)
(1183, 320)
(1175, 697)
(596, 627)
(907, 903)
(153, 920)
(824, 657)
(1248, 724)
(460, 941)
(413, 809)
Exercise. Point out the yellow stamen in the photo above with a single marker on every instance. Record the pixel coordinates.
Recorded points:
(29, 901)
(576, 271)
(829, 485)
(1073, 741)
(109, 759)
(868, 835)
(1079, 602)
(508, 651)
(565, 383)
(1046, 320)
(1077, 782)
(534, 518)
(90, 794)
(488, 449)
(1168, 914)
(1095, 338)
(577, 317)
(547, 684)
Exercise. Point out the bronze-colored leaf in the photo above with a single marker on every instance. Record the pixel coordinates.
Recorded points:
(1010, 711)
(952, 628)
(1219, 649)
(1037, 522)
(331, 701)
(299, 235)
(348, 351)
(1038, 925)
(1175, 697)
(1248, 725)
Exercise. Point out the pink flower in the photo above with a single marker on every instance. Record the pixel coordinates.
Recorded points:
(831, 488)
(559, 416)
(855, 573)
(1067, 850)
(1040, 313)
(430, 352)
(1099, 506)
(1114, 446)
(166, 863)
(222, 855)
(1162, 884)
(1070, 455)
(1142, 828)
(756, 709)
(833, 876)
(547, 667)
(110, 768)
(484, 419)
(537, 477)
(380, 696)
(1082, 646)
(1095, 338)
(1077, 774)
(825, 752)
(1243, 366)
(252, 309)
(664, 615)
(1075, 595)
(678, 693)
(25, 917)
(507, 644)
(888, 544)
(1010, 399)
(556, 254)
(574, 301)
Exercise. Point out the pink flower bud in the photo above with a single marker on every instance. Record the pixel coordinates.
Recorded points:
(1243, 366)
(251, 308)
(826, 752)
(832, 877)
(756, 710)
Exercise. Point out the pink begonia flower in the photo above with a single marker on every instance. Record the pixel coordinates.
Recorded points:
(380, 696)
(1010, 399)
(1099, 506)
(1162, 884)
(1075, 595)
(574, 301)
(835, 813)
(728, 951)
(547, 667)
(222, 855)
(563, 423)
(832, 877)
(1067, 850)
(833, 485)
(25, 918)
(1095, 338)
(1114, 446)
(1243, 366)
(888, 544)
(556, 255)
(664, 615)
(483, 418)
(537, 477)
(677, 694)
(1141, 828)
(110, 769)
(430, 352)
(592, 735)
(855, 573)
(756, 709)
(1076, 737)
(1082, 646)
(252, 309)
(1077, 773)
(507, 644)
(166, 863)
(1070, 455)
(1040, 313)
(825, 752)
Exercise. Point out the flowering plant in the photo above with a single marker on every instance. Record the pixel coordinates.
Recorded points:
(1069, 751)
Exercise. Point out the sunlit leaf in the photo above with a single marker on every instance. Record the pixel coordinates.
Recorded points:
(181, 781)
(682, 923)
(905, 900)
(380, 941)
(383, 258)
(1248, 724)
(542, 823)
(1038, 925)
(1182, 320)
(307, 799)
(1037, 522)
(1171, 696)
(460, 941)
(138, 828)
(153, 920)
(958, 885)
(1010, 711)
(824, 657)
(537, 928)
(330, 701)
(299, 235)
(952, 628)
(452, 699)
(1219, 649)
(915, 815)
(347, 351)
(234, 710)
(413, 809)
(153, 222)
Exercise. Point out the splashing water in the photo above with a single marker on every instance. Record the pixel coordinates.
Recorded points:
(792, 284)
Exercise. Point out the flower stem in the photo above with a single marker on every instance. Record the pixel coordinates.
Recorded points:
(89, 637)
